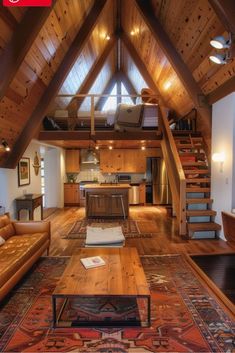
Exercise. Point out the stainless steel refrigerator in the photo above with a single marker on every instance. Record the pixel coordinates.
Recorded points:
(157, 176)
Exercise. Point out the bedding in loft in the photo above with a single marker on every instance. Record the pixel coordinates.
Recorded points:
(125, 117)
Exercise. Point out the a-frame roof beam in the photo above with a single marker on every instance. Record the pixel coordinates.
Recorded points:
(139, 64)
(108, 89)
(128, 85)
(225, 11)
(50, 93)
(15, 51)
(76, 103)
(181, 69)
(222, 91)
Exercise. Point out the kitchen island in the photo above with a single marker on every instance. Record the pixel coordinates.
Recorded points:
(107, 200)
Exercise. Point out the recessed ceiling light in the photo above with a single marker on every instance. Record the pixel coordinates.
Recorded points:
(143, 148)
(132, 33)
(110, 147)
(96, 147)
(107, 37)
(218, 59)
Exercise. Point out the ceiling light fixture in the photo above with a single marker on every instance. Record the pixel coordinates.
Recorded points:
(219, 42)
(107, 37)
(96, 147)
(167, 85)
(143, 148)
(110, 147)
(5, 145)
(219, 59)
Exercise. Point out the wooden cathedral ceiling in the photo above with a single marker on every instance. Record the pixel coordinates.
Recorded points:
(145, 60)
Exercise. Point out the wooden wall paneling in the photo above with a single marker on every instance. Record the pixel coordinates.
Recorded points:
(101, 80)
(49, 94)
(128, 85)
(139, 63)
(92, 76)
(107, 90)
(20, 43)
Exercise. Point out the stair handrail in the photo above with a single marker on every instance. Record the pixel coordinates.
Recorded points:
(175, 171)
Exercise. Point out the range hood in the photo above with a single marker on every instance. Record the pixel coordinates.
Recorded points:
(90, 157)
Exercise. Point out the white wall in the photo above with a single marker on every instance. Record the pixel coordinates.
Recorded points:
(223, 133)
(54, 177)
(9, 189)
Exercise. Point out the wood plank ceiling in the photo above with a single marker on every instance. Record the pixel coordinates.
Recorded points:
(190, 25)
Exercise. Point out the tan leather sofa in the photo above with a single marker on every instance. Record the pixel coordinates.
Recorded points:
(24, 243)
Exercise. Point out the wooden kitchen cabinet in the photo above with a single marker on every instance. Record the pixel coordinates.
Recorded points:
(71, 194)
(72, 161)
(142, 193)
(122, 161)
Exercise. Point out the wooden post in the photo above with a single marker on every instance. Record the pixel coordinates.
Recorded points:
(92, 115)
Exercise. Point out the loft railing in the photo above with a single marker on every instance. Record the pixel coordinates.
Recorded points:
(93, 101)
(174, 170)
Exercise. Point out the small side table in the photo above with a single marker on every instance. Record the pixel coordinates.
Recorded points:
(29, 203)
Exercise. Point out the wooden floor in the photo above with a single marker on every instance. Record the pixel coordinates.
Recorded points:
(166, 241)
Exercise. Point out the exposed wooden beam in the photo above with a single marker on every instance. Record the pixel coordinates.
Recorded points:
(181, 69)
(139, 63)
(50, 93)
(222, 91)
(225, 11)
(128, 85)
(99, 135)
(76, 103)
(15, 51)
(108, 89)
(8, 18)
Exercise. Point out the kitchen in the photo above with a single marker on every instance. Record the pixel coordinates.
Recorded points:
(115, 166)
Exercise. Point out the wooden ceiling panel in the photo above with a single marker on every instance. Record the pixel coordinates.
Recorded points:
(91, 52)
(131, 71)
(190, 25)
(154, 59)
(102, 79)
(41, 62)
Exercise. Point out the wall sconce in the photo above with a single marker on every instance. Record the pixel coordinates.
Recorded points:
(219, 43)
(5, 145)
(219, 157)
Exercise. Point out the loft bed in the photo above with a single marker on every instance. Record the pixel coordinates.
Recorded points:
(126, 117)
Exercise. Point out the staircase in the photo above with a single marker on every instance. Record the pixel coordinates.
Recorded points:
(199, 214)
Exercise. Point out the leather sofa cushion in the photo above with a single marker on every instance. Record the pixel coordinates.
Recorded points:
(16, 251)
(6, 227)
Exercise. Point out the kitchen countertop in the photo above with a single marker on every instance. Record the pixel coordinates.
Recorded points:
(108, 186)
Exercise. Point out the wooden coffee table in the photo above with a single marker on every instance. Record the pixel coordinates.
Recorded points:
(122, 276)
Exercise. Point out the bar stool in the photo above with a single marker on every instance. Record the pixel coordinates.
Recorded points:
(93, 200)
(119, 197)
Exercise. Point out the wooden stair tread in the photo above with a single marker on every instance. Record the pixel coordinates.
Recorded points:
(196, 171)
(192, 154)
(194, 200)
(184, 145)
(198, 180)
(198, 189)
(198, 213)
(193, 164)
(176, 133)
(206, 226)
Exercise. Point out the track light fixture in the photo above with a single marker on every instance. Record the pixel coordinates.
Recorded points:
(220, 43)
(5, 145)
(218, 59)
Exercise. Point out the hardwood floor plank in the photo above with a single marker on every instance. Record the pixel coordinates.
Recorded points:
(165, 241)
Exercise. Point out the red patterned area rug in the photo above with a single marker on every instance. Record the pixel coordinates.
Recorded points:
(130, 228)
(185, 317)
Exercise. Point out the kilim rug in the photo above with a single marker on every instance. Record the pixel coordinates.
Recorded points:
(185, 317)
(130, 228)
